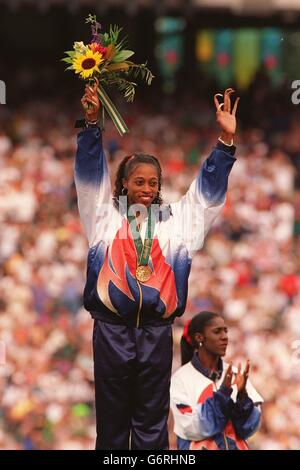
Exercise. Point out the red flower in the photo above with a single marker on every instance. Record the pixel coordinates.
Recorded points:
(98, 48)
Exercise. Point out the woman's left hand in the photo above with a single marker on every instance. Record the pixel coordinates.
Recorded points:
(225, 115)
(242, 377)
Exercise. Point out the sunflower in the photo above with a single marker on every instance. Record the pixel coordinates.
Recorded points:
(86, 64)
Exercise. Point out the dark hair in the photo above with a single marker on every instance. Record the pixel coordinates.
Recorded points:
(125, 168)
(188, 343)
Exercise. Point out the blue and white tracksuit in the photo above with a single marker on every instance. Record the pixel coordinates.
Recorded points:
(207, 414)
(132, 333)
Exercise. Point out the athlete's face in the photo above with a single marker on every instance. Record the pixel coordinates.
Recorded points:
(215, 337)
(142, 184)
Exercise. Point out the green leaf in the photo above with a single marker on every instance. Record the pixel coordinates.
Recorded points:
(127, 87)
(67, 59)
(121, 45)
(142, 70)
(114, 79)
(122, 56)
(104, 38)
(70, 53)
(120, 66)
(114, 32)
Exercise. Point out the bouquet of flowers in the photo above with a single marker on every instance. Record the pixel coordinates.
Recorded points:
(106, 60)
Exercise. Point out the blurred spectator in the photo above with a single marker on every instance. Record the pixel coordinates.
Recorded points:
(248, 269)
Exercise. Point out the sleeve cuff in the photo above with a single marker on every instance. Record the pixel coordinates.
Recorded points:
(81, 124)
(244, 406)
(226, 148)
(242, 396)
(225, 390)
(243, 400)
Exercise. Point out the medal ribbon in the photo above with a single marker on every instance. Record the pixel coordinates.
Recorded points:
(143, 249)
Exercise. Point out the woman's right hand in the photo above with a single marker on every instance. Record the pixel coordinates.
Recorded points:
(90, 102)
(228, 376)
(242, 377)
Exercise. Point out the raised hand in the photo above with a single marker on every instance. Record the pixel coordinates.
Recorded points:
(90, 101)
(242, 377)
(225, 115)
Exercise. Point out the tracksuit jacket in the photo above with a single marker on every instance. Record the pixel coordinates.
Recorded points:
(207, 414)
(112, 293)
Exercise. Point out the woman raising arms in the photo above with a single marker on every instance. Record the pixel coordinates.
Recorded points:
(139, 260)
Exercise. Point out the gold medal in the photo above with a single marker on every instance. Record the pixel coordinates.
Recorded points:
(143, 273)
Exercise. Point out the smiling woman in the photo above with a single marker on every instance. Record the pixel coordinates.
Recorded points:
(139, 177)
(214, 405)
(138, 267)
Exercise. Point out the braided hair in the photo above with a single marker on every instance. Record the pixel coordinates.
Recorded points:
(126, 167)
(188, 344)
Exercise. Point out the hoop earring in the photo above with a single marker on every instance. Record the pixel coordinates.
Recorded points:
(123, 193)
(200, 344)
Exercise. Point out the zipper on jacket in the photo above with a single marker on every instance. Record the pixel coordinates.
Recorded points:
(140, 305)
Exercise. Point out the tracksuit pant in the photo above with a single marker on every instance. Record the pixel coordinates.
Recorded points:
(132, 368)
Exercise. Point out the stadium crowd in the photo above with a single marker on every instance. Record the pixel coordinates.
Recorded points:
(248, 269)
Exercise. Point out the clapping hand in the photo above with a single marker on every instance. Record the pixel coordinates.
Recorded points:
(242, 377)
(228, 377)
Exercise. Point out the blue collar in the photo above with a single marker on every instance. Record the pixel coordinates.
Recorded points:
(210, 374)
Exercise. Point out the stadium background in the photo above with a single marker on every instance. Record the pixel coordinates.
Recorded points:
(249, 267)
